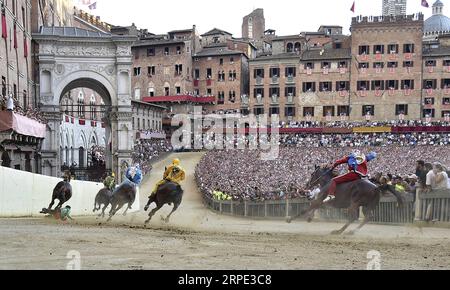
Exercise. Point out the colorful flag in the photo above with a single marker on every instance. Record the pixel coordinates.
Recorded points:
(353, 7)
(425, 4)
(93, 6)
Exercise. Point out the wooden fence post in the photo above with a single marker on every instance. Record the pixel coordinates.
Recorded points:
(418, 206)
(265, 208)
(245, 209)
(232, 208)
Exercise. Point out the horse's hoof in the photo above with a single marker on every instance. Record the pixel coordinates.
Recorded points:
(147, 221)
(309, 220)
(289, 219)
(146, 208)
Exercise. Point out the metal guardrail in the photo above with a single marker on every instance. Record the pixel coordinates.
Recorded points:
(433, 206)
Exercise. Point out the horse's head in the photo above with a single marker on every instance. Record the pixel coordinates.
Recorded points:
(320, 177)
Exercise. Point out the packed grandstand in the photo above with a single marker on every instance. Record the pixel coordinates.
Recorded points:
(243, 175)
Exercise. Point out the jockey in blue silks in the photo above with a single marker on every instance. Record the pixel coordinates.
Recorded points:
(134, 175)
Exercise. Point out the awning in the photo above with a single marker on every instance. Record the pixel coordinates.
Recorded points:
(21, 125)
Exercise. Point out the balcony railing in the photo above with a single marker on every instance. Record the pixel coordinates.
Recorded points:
(259, 81)
(275, 80)
(290, 79)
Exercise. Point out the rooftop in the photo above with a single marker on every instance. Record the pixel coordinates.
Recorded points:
(71, 31)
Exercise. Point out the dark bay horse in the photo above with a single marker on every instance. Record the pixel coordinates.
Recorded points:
(167, 193)
(103, 198)
(351, 196)
(61, 192)
(123, 194)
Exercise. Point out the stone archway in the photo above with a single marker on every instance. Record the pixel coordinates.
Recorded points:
(71, 57)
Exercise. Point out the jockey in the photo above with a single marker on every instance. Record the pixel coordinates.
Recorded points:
(134, 174)
(357, 167)
(173, 173)
(110, 182)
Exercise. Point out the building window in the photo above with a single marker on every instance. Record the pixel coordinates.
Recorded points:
(274, 92)
(209, 92)
(368, 110)
(289, 111)
(308, 112)
(150, 51)
(378, 65)
(258, 111)
(393, 48)
(178, 90)
(430, 63)
(208, 73)
(291, 72)
(430, 84)
(377, 85)
(342, 86)
(289, 91)
(343, 110)
(309, 87)
(3, 86)
(197, 74)
(429, 101)
(178, 69)
(290, 47)
(232, 97)
(363, 65)
(275, 72)
(309, 65)
(259, 92)
(297, 47)
(445, 83)
(137, 93)
(342, 64)
(328, 111)
(258, 73)
(401, 110)
(221, 98)
(166, 51)
(325, 86)
(429, 113)
(445, 114)
(378, 49)
(178, 49)
(137, 71)
(408, 48)
(392, 64)
(231, 60)
(408, 64)
(362, 85)
(274, 111)
(325, 64)
(166, 91)
(407, 84)
(221, 61)
(151, 70)
(364, 49)
(392, 85)
(151, 92)
(446, 62)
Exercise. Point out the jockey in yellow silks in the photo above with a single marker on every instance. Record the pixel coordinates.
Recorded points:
(174, 173)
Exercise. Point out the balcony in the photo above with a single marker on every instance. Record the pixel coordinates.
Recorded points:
(290, 80)
(259, 100)
(244, 100)
(275, 80)
(12, 122)
(275, 100)
(259, 81)
(290, 99)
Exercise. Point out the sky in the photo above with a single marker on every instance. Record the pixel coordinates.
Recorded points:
(285, 16)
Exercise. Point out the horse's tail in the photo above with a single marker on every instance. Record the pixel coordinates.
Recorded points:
(391, 189)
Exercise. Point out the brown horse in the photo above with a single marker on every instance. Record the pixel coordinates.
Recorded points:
(61, 192)
(168, 193)
(351, 196)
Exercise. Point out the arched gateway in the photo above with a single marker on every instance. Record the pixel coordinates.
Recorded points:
(70, 57)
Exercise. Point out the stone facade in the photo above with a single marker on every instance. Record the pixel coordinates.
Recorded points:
(376, 74)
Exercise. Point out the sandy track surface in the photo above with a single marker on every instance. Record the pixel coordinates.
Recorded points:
(199, 239)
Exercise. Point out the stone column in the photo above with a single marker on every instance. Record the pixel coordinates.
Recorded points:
(51, 159)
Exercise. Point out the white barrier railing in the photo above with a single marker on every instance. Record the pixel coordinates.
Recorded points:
(24, 194)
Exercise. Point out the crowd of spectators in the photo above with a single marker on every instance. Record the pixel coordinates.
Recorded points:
(145, 151)
(243, 175)
(12, 104)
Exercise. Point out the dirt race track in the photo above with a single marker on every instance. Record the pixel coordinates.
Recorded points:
(199, 239)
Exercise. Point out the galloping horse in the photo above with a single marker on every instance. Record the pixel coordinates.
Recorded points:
(61, 192)
(124, 194)
(103, 198)
(167, 193)
(351, 196)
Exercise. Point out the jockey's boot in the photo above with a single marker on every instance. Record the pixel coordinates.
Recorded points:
(329, 198)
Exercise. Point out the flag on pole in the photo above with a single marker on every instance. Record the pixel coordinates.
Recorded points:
(93, 6)
(425, 4)
(353, 7)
